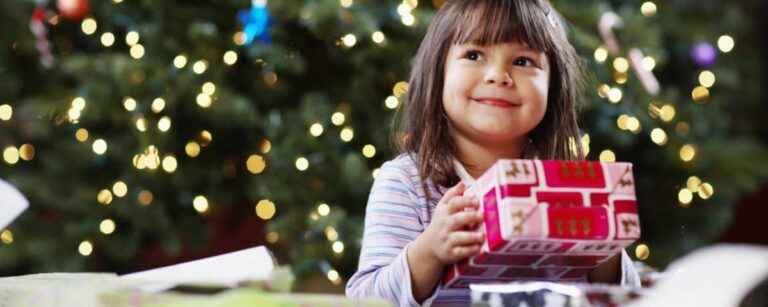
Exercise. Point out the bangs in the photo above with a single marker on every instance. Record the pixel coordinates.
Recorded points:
(486, 23)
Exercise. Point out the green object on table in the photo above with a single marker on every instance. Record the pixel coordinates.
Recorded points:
(106, 289)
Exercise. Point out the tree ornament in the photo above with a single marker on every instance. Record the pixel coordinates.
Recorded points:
(37, 26)
(72, 9)
(256, 22)
(703, 54)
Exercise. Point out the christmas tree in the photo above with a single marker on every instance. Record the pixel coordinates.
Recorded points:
(149, 132)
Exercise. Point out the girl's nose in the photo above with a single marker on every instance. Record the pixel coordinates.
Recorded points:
(497, 76)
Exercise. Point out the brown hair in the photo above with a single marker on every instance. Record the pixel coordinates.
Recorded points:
(485, 22)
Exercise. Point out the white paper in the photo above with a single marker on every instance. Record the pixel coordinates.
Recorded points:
(227, 270)
(12, 203)
(720, 275)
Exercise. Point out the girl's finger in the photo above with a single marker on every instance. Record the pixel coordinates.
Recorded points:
(460, 252)
(462, 219)
(454, 191)
(458, 204)
(464, 238)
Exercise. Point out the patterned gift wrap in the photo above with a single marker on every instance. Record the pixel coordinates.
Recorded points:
(549, 221)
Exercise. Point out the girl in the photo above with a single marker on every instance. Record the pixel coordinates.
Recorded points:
(492, 79)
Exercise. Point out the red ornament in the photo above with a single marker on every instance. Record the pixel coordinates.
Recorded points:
(72, 9)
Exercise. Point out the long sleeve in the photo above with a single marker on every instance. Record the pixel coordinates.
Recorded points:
(395, 216)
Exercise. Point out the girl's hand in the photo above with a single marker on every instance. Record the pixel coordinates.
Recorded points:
(448, 236)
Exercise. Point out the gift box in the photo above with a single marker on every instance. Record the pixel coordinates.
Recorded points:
(549, 221)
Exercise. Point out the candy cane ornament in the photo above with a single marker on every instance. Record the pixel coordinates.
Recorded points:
(610, 20)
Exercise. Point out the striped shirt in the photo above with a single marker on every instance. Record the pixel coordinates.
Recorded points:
(398, 211)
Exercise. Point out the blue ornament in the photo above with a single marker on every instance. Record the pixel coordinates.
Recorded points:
(703, 54)
(256, 22)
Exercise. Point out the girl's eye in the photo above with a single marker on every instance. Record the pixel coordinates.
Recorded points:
(473, 55)
(524, 62)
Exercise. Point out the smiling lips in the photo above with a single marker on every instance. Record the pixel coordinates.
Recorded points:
(497, 102)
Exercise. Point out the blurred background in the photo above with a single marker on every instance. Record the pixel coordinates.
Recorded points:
(146, 133)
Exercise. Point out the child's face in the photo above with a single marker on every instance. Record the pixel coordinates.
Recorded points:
(495, 94)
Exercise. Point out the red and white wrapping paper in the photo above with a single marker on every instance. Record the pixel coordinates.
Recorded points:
(549, 221)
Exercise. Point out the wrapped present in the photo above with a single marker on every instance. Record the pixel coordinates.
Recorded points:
(549, 221)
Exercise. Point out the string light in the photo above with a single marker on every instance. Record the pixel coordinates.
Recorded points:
(99, 146)
(230, 57)
(700, 94)
(408, 20)
(255, 164)
(349, 40)
(687, 152)
(200, 66)
(180, 61)
(323, 209)
(145, 197)
(621, 121)
(107, 39)
(141, 124)
(601, 54)
(137, 51)
(603, 90)
(272, 237)
(585, 143)
(607, 156)
(377, 37)
(331, 233)
(615, 95)
(620, 77)
(192, 149)
(205, 138)
(89, 26)
(725, 43)
(345, 3)
(6, 112)
(648, 63)
(129, 104)
(375, 172)
(347, 134)
(400, 89)
(200, 203)
(169, 164)
(706, 190)
(204, 100)
(333, 276)
(107, 226)
(707, 78)
(158, 105)
(208, 88)
(120, 189)
(265, 146)
(164, 124)
(6, 236)
(85, 248)
(316, 129)
(265, 209)
(302, 164)
(338, 118)
(693, 183)
(338, 247)
(27, 152)
(667, 112)
(658, 136)
(132, 38)
(270, 78)
(391, 102)
(642, 252)
(369, 151)
(621, 64)
(648, 9)
(11, 155)
(81, 135)
(104, 197)
(685, 197)
(239, 38)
